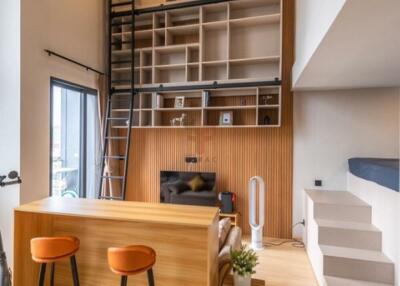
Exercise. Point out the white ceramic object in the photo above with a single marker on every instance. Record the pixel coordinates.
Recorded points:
(241, 280)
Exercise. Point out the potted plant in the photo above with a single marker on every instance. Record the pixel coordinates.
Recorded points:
(243, 263)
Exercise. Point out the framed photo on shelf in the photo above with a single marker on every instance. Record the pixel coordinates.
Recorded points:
(226, 118)
(179, 102)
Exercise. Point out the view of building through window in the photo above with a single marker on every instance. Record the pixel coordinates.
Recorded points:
(75, 142)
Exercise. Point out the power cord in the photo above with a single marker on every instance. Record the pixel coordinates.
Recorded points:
(294, 242)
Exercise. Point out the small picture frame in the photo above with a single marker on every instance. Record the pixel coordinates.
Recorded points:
(226, 118)
(179, 102)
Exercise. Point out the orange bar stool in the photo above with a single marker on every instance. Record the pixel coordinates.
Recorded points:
(46, 250)
(132, 260)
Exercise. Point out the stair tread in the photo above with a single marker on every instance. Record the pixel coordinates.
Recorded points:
(351, 225)
(335, 198)
(338, 281)
(354, 253)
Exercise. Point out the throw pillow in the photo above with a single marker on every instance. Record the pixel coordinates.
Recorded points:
(197, 183)
(223, 231)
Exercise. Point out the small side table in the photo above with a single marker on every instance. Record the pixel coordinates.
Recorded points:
(235, 217)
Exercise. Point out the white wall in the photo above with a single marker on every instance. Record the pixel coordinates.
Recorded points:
(9, 113)
(333, 126)
(313, 19)
(73, 28)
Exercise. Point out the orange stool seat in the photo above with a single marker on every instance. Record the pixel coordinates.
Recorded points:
(46, 250)
(131, 260)
(51, 249)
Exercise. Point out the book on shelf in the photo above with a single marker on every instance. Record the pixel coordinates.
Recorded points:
(158, 100)
(206, 98)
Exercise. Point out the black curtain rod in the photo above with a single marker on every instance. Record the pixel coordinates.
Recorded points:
(51, 53)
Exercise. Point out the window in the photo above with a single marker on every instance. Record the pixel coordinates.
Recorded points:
(75, 140)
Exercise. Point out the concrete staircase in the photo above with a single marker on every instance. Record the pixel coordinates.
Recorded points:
(343, 246)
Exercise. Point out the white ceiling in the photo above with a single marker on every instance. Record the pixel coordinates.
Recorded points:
(361, 49)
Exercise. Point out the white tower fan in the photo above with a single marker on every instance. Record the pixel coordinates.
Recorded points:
(256, 229)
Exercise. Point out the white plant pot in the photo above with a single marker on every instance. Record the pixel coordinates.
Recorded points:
(242, 280)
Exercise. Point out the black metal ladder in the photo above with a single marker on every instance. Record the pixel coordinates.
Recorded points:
(119, 101)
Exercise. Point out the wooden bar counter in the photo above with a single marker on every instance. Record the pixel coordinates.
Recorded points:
(184, 237)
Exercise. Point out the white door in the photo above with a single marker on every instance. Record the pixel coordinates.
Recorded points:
(9, 113)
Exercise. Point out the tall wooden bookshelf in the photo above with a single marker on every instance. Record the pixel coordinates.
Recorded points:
(233, 42)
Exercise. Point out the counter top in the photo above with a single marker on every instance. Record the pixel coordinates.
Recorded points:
(124, 211)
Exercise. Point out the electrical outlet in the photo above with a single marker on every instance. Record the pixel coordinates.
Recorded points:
(318, 183)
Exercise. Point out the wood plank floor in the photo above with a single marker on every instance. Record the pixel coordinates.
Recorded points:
(284, 265)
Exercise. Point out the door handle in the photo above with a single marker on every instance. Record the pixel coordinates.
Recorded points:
(13, 179)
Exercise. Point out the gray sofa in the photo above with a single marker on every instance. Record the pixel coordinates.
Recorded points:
(175, 190)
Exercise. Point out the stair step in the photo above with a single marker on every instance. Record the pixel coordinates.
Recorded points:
(337, 281)
(339, 205)
(349, 234)
(357, 264)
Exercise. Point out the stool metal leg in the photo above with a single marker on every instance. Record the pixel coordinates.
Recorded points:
(150, 277)
(124, 280)
(53, 268)
(74, 271)
(42, 275)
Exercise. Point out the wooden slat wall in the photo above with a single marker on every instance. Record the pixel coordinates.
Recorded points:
(234, 154)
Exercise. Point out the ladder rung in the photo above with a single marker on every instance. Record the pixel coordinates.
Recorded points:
(116, 118)
(122, 23)
(121, 4)
(117, 138)
(113, 177)
(120, 43)
(121, 62)
(114, 157)
(110, 198)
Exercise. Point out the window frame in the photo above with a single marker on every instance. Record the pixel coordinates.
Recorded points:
(85, 91)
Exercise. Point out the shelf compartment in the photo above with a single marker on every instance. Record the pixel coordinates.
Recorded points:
(268, 117)
(215, 12)
(192, 100)
(215, 42)
(193, 73)
(145, 100)
(254, 41)
(146, 118)
(143, 22)
(254, 70)
(146, 75)
(170, 74)
(181, 17)
(252, 8)
(170, 57)
(159, 38)
(193, 55)
(241, 117)
(215, 71)
(268, 97)
(163, 118)
(159, 20)
(183, 35)
(146, 58)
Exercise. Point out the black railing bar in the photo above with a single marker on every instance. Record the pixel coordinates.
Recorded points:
(51, 53)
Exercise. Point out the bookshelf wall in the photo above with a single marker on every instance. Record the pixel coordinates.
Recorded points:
(248, 107)
(226, 42)
(230, 42)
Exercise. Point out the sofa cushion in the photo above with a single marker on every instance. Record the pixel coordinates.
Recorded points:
(200, 198)
(223, 231)
(178, 187)
(197, 183)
